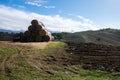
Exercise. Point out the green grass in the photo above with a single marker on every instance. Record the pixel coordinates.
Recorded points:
(3, 77)
(6, 51)
(56, 45)
(25, 67)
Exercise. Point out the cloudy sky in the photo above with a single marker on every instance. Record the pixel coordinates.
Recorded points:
(60, 15)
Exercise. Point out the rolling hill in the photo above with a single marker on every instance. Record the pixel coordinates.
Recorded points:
(10, 31)
(84, 56)
(104, 36)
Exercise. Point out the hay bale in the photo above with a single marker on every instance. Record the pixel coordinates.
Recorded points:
(34, 22)
(38, 39)
(37, 32)
(45, 38)
(42, 32)
(27, 33)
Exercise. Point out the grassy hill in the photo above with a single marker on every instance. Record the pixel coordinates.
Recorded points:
(54, 61)
(104, 36)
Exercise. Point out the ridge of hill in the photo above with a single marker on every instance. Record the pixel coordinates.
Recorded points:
(10, 31)
(5, 30)
(103, 36)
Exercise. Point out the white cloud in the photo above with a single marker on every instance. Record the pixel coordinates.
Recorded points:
(13, 19)
(37, 3)
(33, 3)
(19, 6)
(88, 22)
(84, 19)
(49, 7)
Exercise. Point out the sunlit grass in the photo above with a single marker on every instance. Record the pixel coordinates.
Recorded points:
(44, 64)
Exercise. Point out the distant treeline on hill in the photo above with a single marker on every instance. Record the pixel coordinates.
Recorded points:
(5, 36)
(103, 36)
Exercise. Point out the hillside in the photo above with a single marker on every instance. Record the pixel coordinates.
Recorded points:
(104, 36)
(10, 31)
(58, 61)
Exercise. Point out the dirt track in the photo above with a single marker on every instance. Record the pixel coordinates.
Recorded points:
(90, 56)
(7, 60)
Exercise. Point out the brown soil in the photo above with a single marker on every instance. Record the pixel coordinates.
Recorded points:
(89, 55)
(95, 56)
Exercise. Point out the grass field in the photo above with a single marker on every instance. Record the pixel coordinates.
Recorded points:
(44, 61)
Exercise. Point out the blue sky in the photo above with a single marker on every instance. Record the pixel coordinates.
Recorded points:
(60, 15)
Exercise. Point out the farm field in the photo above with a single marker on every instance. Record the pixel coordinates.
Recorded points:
(59, 61)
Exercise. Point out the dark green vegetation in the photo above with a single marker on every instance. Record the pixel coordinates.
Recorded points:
(104, 36)
(82, 58)
(54, 62)
(5, 36)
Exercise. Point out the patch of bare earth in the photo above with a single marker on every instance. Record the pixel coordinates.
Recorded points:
(95, 56)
